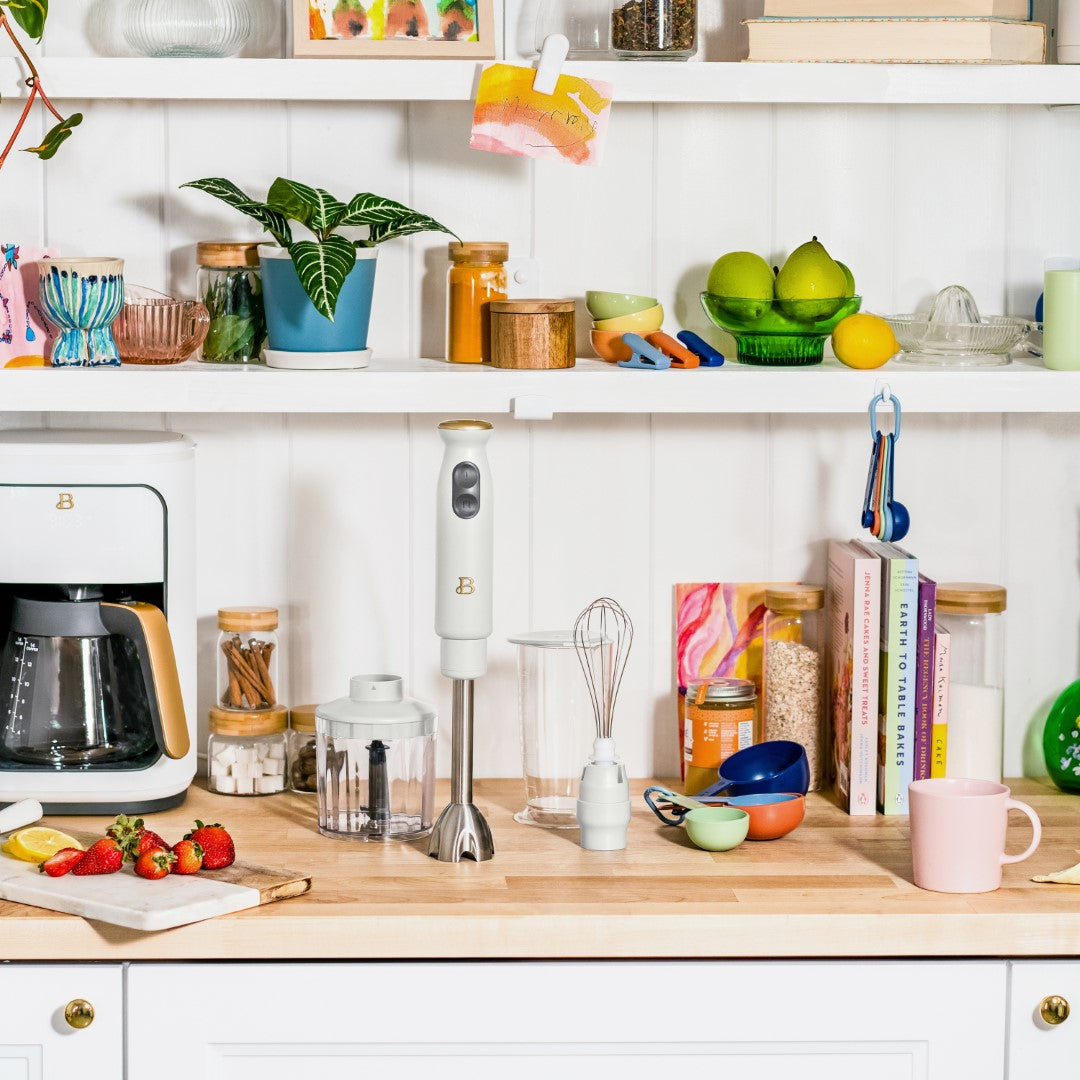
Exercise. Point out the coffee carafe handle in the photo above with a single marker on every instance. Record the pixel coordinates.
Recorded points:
(145, 625)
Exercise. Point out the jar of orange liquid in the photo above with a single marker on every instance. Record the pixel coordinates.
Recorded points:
(721, 718)
(477, 275)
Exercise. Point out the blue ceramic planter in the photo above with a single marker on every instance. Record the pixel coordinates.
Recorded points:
(292, 322)
(83, 297)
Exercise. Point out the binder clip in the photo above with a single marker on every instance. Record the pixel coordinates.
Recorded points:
(644, 355)
(708, 356)
(549, 65)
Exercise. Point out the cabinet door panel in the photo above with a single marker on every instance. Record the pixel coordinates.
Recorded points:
(1034, 1045)
(487, 1021)
(36, 1043)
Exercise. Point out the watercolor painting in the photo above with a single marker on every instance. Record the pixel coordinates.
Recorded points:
(510, 117)
(26, 332)
(394, 28)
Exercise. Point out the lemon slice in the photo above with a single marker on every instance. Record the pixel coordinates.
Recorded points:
(38, 844)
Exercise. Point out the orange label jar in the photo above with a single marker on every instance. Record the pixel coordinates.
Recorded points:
(721, 718)
(476, 277)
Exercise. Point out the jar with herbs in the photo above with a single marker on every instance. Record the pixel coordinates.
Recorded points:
(229, 284)
(247, 658)
(475, 278)
(793, 670)
(654, 29)
(721, 718)
(302, 751)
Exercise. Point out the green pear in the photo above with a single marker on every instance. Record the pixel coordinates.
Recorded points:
(744, 281)
(811, 285)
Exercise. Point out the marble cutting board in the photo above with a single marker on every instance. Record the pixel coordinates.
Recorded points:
(125, 899)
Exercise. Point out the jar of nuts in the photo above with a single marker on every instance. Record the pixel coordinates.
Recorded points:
(246, 751)
(793, 669)
(247, 658)
(302, 749)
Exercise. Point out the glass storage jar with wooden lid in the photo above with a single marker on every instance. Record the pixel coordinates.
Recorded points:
(302, 751)
(475, 278)
(247, 658)
(793, 670)
(721, 718)
(246, 752)
(229, 283)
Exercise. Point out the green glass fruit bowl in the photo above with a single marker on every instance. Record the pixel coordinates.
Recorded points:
(780, 333)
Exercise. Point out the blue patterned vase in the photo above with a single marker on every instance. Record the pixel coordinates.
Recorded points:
(83, 297)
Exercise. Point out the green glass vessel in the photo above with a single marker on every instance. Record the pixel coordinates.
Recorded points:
(1061, 739)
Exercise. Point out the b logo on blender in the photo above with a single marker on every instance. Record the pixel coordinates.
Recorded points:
(65, 501)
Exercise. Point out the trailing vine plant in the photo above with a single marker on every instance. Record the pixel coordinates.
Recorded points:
(30, 15)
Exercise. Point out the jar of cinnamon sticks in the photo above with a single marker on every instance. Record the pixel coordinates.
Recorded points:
(247, 659)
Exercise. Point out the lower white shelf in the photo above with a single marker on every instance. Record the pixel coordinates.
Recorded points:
(434, 386)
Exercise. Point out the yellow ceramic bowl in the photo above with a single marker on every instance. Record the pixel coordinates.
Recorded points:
(609, 345)
(637, 322)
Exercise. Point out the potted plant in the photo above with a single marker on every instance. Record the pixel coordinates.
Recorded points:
(318, 291)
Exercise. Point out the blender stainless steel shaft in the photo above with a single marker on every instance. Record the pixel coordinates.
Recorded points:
(464, 544)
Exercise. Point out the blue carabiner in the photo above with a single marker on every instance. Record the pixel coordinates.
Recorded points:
(881, 399)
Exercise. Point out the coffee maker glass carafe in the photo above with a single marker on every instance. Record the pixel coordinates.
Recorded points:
(81, 682)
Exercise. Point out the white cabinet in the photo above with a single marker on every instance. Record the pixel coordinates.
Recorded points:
(919, 1020)
(1038, 1048)
(36, 1040)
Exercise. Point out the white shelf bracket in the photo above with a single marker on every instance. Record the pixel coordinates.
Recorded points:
(532, 407)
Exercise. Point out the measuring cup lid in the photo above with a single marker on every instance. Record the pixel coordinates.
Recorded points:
(376, 708)
(550, 639)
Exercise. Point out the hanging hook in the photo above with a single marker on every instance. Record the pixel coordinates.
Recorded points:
(883, 397)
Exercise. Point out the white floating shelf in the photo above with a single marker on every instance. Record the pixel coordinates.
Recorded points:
(454, 80)
(433, 386)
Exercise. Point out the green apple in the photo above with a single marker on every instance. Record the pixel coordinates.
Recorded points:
(849, 277)
(811, 284)
(744, 281)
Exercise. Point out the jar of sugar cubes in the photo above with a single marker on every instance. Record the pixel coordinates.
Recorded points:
(246, 751)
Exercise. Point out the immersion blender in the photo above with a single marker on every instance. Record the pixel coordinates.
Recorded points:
(463, 558)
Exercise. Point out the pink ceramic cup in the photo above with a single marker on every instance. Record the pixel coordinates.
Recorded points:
(958, 834)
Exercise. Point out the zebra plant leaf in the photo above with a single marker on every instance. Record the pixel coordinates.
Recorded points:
(404, 225)
(368, 209)
(322, 269)
(273, 221)
(29, 14)
(313, 207)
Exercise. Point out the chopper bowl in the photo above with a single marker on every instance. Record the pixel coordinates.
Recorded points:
(980, 344)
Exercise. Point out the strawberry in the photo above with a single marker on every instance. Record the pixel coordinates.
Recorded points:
(104, 857)
(155, 863)
(189, 857)
(64, 860)
(134, 837)
(217, 845)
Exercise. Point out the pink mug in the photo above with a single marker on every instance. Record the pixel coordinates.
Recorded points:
(958, 834)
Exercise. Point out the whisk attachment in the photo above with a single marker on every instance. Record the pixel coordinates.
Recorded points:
(603, 635)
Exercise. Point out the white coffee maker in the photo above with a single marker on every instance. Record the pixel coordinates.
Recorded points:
(97, 619)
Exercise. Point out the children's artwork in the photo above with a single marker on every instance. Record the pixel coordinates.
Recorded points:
(394, 28)
(26, 334)
(512, 118)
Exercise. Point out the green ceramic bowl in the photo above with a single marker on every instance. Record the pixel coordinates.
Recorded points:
(781, 333)
(717, 828)
(610, 305)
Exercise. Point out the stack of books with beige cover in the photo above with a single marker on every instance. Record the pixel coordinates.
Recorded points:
(898, 32)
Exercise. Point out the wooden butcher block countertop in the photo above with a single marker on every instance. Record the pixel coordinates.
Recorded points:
(838, 886)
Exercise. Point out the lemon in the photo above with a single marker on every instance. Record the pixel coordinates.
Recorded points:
(38, 844)
(864, 341)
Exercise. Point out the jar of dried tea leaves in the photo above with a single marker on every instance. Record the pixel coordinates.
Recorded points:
(654, 29)
(793, 669)
(229, 283)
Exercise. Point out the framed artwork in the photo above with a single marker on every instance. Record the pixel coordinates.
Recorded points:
(401, 29)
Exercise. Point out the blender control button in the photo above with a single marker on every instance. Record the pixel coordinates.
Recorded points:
(466, 475)
(466, 505)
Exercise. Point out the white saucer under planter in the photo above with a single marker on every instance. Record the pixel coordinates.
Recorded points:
(317, 361)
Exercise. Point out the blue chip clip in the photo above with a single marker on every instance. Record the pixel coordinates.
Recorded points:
(646, 356)
(709, 356)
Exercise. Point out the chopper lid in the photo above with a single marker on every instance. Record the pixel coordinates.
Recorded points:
(551, 639)
(302, 719)
(257, 722)
(247, 618)
(376, 708)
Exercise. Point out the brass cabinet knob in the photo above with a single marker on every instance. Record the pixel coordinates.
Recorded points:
(80, 1014)
(1054, 1009)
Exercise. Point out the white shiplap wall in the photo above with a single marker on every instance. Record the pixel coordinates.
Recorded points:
(335, 526)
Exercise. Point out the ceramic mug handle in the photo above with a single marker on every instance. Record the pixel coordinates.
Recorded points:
(1013, 804)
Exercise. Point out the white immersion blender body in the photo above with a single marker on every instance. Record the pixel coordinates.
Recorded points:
(464, 544)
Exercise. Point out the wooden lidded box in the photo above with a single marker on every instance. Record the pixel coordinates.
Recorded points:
(534, 334)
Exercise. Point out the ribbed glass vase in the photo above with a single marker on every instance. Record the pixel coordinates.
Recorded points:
(187, 27)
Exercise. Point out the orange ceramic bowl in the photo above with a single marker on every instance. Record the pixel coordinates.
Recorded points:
(771, 815)
(609, 345)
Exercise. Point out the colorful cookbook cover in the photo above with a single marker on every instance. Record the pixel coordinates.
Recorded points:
(899, 643)
(717, 634)
(852, 602)
(940, 729)
(924, 677)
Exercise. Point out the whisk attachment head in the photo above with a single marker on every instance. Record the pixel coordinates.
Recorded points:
(603, 636)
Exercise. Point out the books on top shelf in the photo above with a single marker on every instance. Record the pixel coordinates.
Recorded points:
(899, 9)
(897, 40)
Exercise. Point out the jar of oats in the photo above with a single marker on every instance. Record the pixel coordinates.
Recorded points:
(793, 669)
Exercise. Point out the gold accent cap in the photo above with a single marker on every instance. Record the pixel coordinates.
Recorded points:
(226, 253)
(247, 618)
(257, 722)
(970, 598)
(465, 425)
(795, 598)
(302, 718)
(479, 253)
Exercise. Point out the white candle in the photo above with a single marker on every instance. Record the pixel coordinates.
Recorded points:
(973, 748)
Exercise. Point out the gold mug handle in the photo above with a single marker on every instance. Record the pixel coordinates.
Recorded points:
(196, 324)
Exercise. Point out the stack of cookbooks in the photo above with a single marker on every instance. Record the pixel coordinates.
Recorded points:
(901, 31)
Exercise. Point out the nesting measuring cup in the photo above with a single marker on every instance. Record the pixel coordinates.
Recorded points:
(771, 814)
(776, 766)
